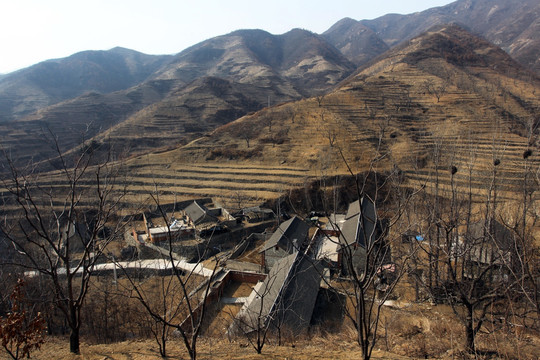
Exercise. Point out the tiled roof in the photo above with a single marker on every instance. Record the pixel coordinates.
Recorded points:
(196, 212)
(354, 229)
(286, 297)
(291, 234)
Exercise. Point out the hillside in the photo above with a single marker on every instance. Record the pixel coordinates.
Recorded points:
(205, 86)
(356, 41)
(446, 125)
(71, 122)
(299, 58)
(403, 342)
(50, 82)
(188, 113)
(444, 89)
(511, 24)
(138, 103)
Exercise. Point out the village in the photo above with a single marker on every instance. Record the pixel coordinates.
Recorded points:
(260, 266)
(258, 271)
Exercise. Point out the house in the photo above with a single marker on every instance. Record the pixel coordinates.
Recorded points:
(198, 213)
(360, 223)
(256, 214)
(290, 237)
(79, 234)
(359, 230)
(284, 300)
(177, 230)
(328, 251)
(203, 217)
(489, 244)
(335, 222)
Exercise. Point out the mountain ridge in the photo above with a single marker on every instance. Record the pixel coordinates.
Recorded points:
(410, 97)
(504, 23)
(250, 70)
(56, 80)
(234, 58)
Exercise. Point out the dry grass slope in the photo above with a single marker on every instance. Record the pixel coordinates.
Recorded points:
(444, 99)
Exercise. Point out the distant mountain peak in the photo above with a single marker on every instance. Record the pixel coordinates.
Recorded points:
(342, 25)
(514, 25)
(123, 50)
(355, 40)
(458, 46)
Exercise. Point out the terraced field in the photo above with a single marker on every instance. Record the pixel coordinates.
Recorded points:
(421, 117)
(230, 182)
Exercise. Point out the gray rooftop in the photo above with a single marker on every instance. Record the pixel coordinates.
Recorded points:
(490, 243)
(198, 213)
(291, 234)
(355, 230)
(285, 298)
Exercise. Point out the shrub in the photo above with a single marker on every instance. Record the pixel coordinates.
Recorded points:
(19, 333)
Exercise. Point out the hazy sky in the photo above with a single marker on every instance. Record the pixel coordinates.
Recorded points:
(35, 30)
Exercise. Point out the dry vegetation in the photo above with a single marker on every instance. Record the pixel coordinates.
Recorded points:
(423, 119)
(471, 110)
(416, 331)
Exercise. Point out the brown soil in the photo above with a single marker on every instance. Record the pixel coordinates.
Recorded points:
(56, 348)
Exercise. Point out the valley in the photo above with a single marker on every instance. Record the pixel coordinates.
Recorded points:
(375, 186)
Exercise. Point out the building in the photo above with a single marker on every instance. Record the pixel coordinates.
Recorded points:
(285, 300)
(489, 244)
(256, 214)
(328, 251)
(198, 213)
(290, 237)
(203, 217)
(361, 229)
(177, 230)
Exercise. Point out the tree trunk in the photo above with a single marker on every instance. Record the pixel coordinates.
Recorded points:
(75, 327)
(74, 341)
(163, 347)
(469, 331)
(363, 327)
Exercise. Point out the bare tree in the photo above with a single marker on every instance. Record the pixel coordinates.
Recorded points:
(521, 222)
(373, 279)
(61, 232)
(330, 127)
(247, 137)
(180, 301)
(253, 321)
(471, 254)
(436, 90)
(372, 274)
(320, 99)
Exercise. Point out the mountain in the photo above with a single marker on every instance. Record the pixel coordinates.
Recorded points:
(69, 123)
(141, 102)
(356, 41)
(50, 82)
(445, 89)
(511, 24)
(302, 61)
(202, 87)
(227, 77)
(189, 113)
